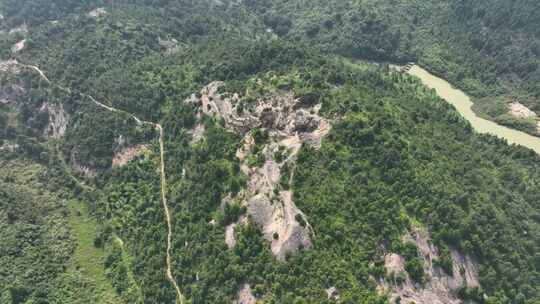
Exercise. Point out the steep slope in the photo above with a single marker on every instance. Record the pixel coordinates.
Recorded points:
(42, 258)
(359, 192)
(474, 44)
(368, 157)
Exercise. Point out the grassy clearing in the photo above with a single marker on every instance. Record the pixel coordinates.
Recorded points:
(88, 259)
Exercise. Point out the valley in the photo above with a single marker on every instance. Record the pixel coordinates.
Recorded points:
(255, 151)
(463, 105)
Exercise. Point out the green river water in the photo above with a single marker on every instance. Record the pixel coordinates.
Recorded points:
(463, 104)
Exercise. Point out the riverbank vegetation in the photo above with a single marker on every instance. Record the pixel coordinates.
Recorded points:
(473, 44)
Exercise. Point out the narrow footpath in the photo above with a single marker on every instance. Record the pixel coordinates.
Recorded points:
(169, 273)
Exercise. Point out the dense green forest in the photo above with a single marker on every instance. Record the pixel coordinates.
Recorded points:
(474, 44)
(489, 48)
(397, 156)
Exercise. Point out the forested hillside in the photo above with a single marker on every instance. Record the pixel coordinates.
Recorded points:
(489, 48)
(293, 172)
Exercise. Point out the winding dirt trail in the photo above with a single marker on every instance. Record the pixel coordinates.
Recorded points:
(179, 296)
(169, 273)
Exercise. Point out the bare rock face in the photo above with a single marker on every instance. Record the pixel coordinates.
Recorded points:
(58, 120)
(520, 111)
(22, 29)
(465, 271)
(9, 66)
(169, 46)
(440, 288)
(245, 295)
(269, 204)
(98, 12)
(197, 133)
(125, 155)
(81, 169)
(267, 118)
(230, 237)
(306, 122)
(275, 113)
(19, 46)
(230, 240)
(279, 223)
(7, 146)
(394, 263)
(332, 293)
(10, 91)
(273, 209)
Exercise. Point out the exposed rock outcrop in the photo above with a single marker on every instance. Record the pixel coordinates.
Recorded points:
(9, 66)
(520, 111)
(197, 133)
(279, 223)
(22, 29)
(125, 155)
(19, 46)
(440, 287)
(79, 168)
(10, 92)
(230, 240)
(58, 120)
(245, 295)
(394, 263)
(332, 293)
(169, 46)
(98, 12)
(7, 146)
(288, 124)
(12, 89)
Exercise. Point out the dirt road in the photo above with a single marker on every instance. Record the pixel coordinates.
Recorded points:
(169, 273)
